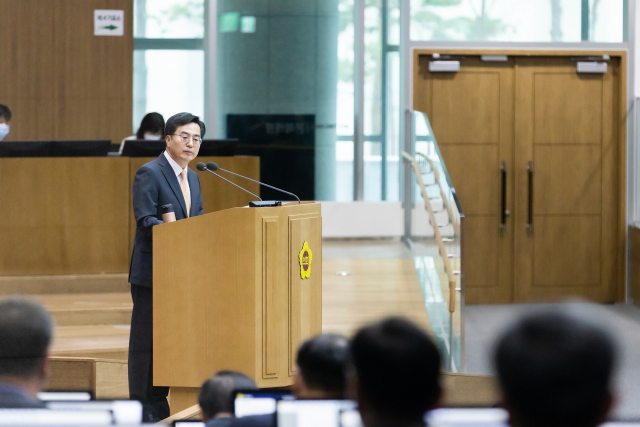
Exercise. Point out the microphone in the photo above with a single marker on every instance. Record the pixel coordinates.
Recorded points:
(202, 168)
(214, 167)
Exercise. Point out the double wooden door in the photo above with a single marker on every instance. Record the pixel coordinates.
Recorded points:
(534, 150)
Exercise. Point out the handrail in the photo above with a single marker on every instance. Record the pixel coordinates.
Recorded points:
(445, 199)
(436, 231)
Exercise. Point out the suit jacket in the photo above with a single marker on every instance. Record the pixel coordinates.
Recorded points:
(12, 397)
(154, 185)
(268, 420)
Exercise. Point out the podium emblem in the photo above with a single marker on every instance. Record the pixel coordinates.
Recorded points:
(305, 256)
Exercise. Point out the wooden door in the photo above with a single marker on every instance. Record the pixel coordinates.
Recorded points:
(472, 116)
(567, 126)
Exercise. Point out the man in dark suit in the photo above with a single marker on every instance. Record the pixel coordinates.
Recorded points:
(165, 180)
(25, 334)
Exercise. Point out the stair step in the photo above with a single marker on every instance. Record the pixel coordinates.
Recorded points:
(98, 341)
(107, 379)
(89, 309)
(69, 284)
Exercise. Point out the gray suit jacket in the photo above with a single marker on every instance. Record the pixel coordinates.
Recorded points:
(154, 185)
(12, 397)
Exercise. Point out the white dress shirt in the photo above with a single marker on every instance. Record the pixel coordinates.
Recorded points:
(177, 170)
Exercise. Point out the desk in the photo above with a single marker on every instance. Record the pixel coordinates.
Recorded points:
(74, 215)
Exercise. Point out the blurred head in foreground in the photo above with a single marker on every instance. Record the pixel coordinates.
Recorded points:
(26, 330)
(555, 369)
(216, 394)
(321, 368)
(396, 369)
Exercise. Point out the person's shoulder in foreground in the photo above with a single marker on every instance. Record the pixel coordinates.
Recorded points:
(26, 330)
(555, 369)
(266, 420)
(395, 376)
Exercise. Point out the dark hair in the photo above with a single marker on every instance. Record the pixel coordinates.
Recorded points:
(5, 112)
(182, 119)
(216, 394)
(322, 361)
(555, 370)
(398, 369)
(152, 122)
(25, 333)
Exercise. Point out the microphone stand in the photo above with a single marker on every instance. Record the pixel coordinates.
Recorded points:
(244, 189)
(261, 183)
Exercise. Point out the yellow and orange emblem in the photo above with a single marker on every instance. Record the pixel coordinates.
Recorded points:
(305, 257)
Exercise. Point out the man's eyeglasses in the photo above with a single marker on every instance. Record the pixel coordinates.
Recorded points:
(186, 138)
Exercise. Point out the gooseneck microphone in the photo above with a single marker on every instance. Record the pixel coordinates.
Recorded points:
(202, 168)
(211, 166)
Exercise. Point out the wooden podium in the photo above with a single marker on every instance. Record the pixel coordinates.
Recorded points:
(229, 293)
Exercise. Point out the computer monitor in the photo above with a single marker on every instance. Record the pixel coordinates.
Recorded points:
(35, 417)
(258, 402)
(305, 413)
(65, 396)
(468, 417)
(26, 148)
(81, 148)
(126, 412)
(208, 148)
(218, 147)
(142, 148)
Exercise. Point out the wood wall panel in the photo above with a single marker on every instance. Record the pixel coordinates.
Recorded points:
(59, 80)
(63, 216)
(634, 264)
(271, 304)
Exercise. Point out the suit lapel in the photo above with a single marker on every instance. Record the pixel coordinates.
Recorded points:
(172, 179)
(193, 181)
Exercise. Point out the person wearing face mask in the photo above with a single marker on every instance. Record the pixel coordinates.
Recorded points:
(151, 128)
(5, 118)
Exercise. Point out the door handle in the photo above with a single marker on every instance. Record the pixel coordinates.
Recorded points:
(504, 213)
(530, 212)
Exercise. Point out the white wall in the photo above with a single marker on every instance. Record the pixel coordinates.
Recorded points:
(373, 219)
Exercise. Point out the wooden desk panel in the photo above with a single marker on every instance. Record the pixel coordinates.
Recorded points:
(74, 215)
(63, 216)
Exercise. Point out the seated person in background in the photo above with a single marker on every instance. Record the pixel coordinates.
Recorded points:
(151, 128)
(5, 118)
(216, 397)
(555, 370)
(395, 376)
(319, 375)
(26, 330)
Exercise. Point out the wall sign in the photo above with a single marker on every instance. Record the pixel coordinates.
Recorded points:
(108, 22)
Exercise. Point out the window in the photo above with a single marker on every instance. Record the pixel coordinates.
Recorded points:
(168, 61)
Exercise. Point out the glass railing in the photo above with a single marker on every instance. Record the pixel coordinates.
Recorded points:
(436, 242)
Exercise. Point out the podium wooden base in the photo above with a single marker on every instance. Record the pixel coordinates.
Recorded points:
(244, 293)
(181, 398)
